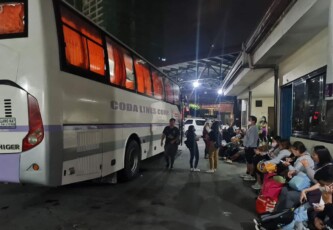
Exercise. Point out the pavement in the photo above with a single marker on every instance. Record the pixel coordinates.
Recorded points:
(158, 199)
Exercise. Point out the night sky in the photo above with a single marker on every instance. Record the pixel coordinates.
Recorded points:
(182, 30)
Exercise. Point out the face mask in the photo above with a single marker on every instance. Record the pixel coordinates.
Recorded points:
(274, 144)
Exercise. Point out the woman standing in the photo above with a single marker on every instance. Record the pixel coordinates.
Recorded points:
(215, 141)
(263, 129)
(192, 139)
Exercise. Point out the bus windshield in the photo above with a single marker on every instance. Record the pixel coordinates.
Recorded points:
(12, 18)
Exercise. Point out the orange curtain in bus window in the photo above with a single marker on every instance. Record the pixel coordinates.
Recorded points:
(116, 65)
(96, 58)
(75, 48)
(158, 86)
(130, 80)
(176, 93)
(147, 81)
(139, 70)
(168, 91)
(11, 18)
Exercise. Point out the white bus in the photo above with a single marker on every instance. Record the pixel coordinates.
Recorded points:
(75, 103)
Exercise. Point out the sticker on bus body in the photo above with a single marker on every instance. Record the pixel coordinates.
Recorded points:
(7, 122)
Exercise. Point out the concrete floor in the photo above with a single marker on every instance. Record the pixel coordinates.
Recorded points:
(158, 200)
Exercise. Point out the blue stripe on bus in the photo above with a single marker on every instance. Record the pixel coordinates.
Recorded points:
(58, 128)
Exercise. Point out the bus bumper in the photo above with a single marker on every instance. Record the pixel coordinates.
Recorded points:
(10, 168)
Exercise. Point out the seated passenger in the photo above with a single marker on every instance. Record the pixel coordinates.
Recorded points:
(284, 152)
(303, 157)
(261, 153)
(289, 197)
(275, 147)
(231, 149)
(283, 147)
(324, 219)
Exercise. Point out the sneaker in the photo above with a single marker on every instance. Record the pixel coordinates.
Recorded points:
(196, 170)
(210, 171)
(244, 175)
(249, 178)
(228, 161)
(192, 169)
(256, 186)
(215, 170)
(224, 158)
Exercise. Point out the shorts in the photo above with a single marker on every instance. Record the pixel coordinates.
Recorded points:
(249, 154)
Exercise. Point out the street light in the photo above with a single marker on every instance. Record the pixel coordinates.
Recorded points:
(219, 92)
(196, 84)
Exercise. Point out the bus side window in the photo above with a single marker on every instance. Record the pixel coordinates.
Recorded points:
(130, 79)
(12, 18)
(96, 58)
(116, 64)
(176, 92)
(75, 48)
(158, 85)
(168, 90)
(143, 77)
(83, 43)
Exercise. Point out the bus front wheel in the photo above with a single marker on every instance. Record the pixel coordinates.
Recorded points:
(132, 161)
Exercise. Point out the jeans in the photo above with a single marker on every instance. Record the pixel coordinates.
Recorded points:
(213, 157)
(194, 152)
(170, 151)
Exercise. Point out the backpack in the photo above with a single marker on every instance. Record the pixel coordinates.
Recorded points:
(269, 195)
(271, 188)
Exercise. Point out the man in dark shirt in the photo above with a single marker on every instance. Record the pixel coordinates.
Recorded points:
(171, 134)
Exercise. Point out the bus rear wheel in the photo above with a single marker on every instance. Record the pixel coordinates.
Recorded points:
(132, 161)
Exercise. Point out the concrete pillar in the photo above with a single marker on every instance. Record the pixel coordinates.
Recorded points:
(329, 77)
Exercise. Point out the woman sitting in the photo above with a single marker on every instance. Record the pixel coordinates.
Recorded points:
(322, 158)
(324, 219)
(283, 148)
(289, 197)
(284, 152)
(303, 158)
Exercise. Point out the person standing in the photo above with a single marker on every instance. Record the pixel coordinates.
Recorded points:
(215, 141)
(250, 143)
(192, 139)
(171, 135)
(205, 135)
(263, 129)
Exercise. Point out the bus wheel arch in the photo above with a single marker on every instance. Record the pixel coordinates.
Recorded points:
(132, 159)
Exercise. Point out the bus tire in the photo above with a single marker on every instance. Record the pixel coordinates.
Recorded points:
(131, 162)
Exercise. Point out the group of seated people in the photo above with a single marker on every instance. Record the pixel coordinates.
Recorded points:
(232, 149)
(306, 181)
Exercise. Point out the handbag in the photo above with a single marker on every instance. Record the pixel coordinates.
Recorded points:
(187, 143)
(300, 182)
